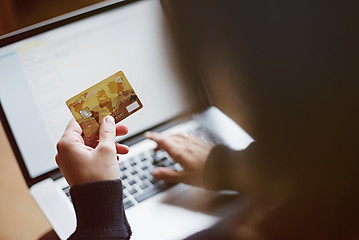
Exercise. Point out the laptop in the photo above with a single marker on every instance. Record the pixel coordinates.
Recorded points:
(43, 65)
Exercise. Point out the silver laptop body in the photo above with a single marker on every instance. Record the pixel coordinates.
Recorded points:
(45, 64)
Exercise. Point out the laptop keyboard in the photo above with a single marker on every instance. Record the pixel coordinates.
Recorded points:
(137, 180)
(136, 172)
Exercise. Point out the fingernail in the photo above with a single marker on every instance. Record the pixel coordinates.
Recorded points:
(109, 119)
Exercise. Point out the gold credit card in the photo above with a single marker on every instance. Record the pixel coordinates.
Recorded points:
(113, 96)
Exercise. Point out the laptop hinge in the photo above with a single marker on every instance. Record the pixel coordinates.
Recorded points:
(56, 175)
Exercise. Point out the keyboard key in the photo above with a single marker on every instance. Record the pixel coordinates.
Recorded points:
(142, 177)
(133, 172)
(166, 163)
(143, 186)
(150, 168)
(151, 192)
(132, 182)
(127, 204)
(132, 191)
(178, 167)
(153, 180)
(123, 177)
(123, 168)
(67, 192)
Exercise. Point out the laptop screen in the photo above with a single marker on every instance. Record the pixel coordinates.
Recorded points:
(40, 73)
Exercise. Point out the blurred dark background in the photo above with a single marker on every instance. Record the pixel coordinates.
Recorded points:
(287, 72)
(16, 14)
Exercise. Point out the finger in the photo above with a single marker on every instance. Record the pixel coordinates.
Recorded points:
(168, 174)
(170, 143)
(90, 142)
(107, 131)
(153, 136)
(73, 127)
(121, 149)
(183, 135)
(57, 159)
(121, 130)
(163, 142)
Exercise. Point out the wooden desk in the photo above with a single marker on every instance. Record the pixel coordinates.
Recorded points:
(20, 217)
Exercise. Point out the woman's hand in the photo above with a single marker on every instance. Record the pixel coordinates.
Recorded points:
(189, 151)
(81, 160)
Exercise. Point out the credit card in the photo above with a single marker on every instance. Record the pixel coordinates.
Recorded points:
(113, 96)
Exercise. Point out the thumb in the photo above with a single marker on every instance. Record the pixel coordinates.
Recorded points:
(107, 132)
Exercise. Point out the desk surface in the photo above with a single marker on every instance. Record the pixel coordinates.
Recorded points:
(20, 217)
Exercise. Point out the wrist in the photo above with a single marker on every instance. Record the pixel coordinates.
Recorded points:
(98, 206)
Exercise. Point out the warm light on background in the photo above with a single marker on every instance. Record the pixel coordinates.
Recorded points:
(16, 14)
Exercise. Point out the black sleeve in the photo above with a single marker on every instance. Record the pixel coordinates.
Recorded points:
(99, 211)
(227, 169)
